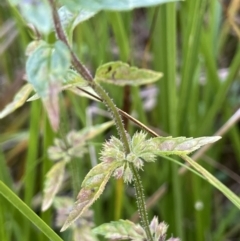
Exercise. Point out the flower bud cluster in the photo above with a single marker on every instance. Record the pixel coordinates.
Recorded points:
(140, 150)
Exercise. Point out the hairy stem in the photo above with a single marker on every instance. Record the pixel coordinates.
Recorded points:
(83, 71)
(141, 202)
(115, 114)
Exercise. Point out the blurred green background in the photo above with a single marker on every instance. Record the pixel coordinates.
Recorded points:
(196, 46)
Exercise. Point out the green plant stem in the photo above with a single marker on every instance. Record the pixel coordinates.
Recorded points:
(123, 135)
(27, 212)
(120, 33)
(141, 202)
(115, 114)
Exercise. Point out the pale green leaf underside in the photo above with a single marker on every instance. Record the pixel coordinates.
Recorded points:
(38, 13)
(33, 45)
(112, 4)
(52, 184)
(180, 145)
(122, 229)
(70, 19)
(46, 68)
(71, 80)
(19, 99)
(214, 181)
(47, 65)
(122, 74)
(92, 187)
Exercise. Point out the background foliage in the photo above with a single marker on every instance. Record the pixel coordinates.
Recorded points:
(195, 44)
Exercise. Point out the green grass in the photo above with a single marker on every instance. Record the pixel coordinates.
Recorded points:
(190, 43)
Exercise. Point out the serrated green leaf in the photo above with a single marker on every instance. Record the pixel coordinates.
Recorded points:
(119, 5)
(52, 184)
(113, 150)
(122, 74)
(122, 229)
(143, 148)
(19, 99)
(92, 187)
(180, 145)
(214, 181)
(37, 12)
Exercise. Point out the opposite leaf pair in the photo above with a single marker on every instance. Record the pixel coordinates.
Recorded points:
(115, 162)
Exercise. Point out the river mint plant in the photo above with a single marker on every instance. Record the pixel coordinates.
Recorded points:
(54, 67)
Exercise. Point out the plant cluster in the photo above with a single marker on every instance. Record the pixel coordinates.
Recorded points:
(53, 68)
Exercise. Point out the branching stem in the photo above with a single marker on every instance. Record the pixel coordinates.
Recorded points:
(83, 71)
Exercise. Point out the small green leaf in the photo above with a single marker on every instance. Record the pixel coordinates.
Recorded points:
(111, 4)
(113, 150)
(19, 99)
(92, 187)
(142, 148)
(122, 74)
(122, 229)
(52, 184)
(180, 145)
(37, 12)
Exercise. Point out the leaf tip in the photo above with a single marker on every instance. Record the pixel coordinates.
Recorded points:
(67, 224)
(214, 139)
(45, 205)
